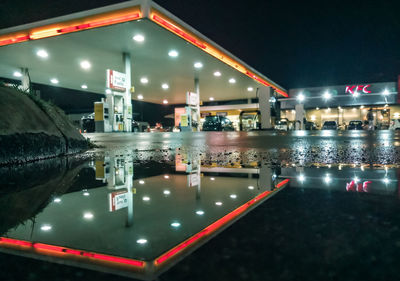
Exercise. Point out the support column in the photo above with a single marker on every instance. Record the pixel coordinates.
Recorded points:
(25, 80)
(197, 90)
(265, 178)
(264, 94)
(127, 95)
(299, 119)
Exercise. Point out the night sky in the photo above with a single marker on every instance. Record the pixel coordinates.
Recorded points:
(294, 43)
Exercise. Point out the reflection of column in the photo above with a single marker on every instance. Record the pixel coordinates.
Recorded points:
(299, 119)
(129, 186)
(129, 218)
(265, 178)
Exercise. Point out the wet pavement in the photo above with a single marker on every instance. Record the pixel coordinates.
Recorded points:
(184, 208)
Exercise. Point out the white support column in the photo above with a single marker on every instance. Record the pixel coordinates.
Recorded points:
(127, 95)
(264, 94)
(197, 90)
(299, 119)
(25, 80)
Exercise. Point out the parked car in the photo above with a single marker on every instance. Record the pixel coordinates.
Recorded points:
(310, 126)
(329, 125)
(217, 123)
(283, 125)
(394, 124)
(87, 123)
(355, 125)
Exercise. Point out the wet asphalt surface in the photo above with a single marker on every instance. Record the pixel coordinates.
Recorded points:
(299, 234)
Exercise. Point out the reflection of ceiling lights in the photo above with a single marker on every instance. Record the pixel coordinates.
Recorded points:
(86, 64)
(84, 86)
(250, 89)
(88, 216)
(165, 101)
(233, 196)
(17, 74)
(42, 53)
(251, 187)
(45, 227)
(232, 81)
(108, 91)
(198, 65)
(141, 181)
(165, 86)
(141, 241)
(175, 224)
(217, 74)
(200, 212)
(167, 192)
(57, 200)
(140, 97)
(144, 80)
(138, 38)
(173, 53)
(219, 203)
(146, 198)
(211, 98)
(54, 80)
(301, 178)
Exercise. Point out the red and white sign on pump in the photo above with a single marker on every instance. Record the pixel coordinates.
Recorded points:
(358, 89)
(116, 80)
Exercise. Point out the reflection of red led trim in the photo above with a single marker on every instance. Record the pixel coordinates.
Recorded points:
(66, 251)
(178, 31)
(214, 226)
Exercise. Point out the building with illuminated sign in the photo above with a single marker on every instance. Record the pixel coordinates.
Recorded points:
(344, 103)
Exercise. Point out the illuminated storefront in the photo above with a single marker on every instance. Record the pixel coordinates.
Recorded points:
(345, 103)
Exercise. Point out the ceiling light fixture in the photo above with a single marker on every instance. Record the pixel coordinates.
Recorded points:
(42, 53)
(138, 38)
(86, 64)
(173, 54)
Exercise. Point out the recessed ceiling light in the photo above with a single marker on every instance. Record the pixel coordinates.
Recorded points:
(212, 179)
(42, 53)
(175, 224)
(200, 212)
(108, 91)
(146, 198)
(84, 86)
(250, 89)
(138, 38)
(17, 74)
(198, 65)
(165, 86)
(233, 196)
(54, 80)
(144, 80)
(140, 97)
(211, 98)
(167, 192)
(217, 73)
(57, 200)
(141, 181)
(165, 101)
(251, 187)
(173, 53)
(218, 203)
(166, 177)
(232, 80)
(86, 64)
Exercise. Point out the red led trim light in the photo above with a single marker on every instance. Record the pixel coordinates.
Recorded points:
(214, 226)
(39, 34)
(178, 31)
(66, 251)
(211, 51)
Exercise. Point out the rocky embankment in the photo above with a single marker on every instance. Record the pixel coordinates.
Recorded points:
(32, 129)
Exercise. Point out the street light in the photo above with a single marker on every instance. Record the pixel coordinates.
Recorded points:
(385, 92)
(327, 95)
(301, 97)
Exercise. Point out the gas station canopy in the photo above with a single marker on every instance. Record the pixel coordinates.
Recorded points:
(74, 52)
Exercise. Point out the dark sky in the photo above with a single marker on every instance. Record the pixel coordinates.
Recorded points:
(294, 43)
